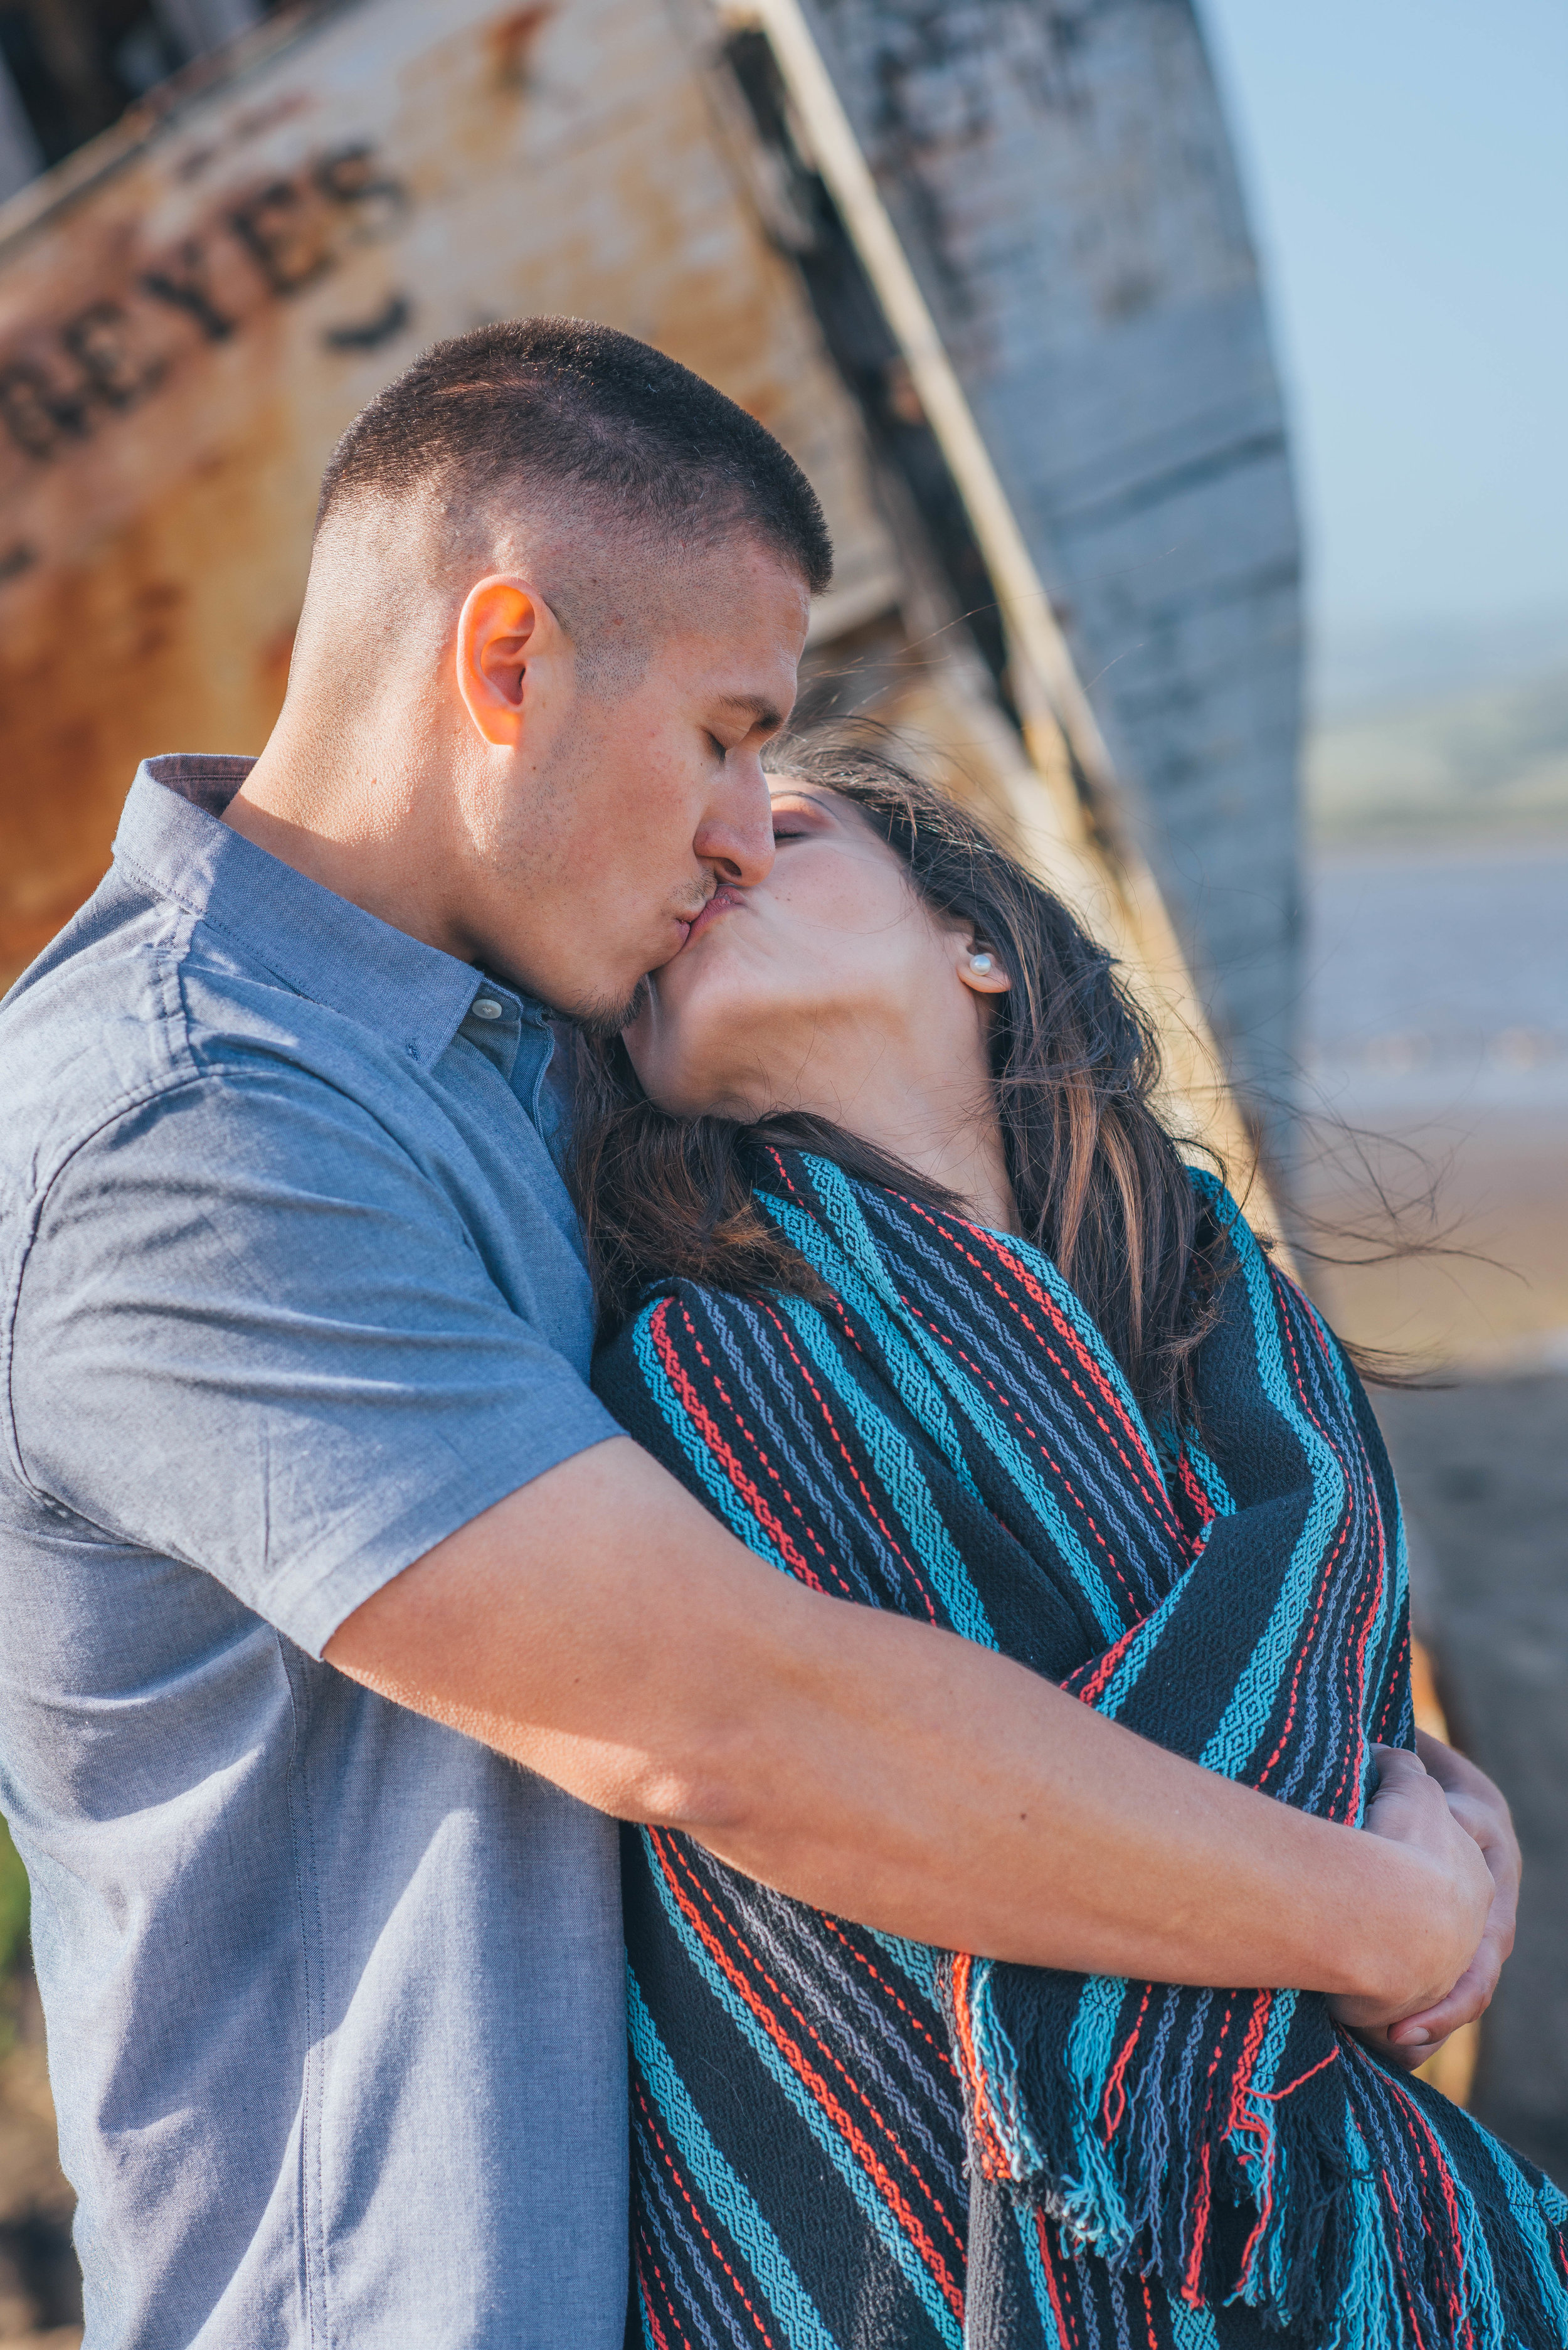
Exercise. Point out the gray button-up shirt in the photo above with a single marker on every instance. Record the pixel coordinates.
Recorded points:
(289, 1289)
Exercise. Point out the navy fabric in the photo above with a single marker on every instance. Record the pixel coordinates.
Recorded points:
(290, 1289)
(843, 2140)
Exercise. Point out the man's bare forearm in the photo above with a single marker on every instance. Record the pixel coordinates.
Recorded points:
(601, 1627)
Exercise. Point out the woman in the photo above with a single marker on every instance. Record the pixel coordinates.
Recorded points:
(904, 1277)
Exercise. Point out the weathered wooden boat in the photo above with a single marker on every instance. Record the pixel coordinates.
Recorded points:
(984, 270)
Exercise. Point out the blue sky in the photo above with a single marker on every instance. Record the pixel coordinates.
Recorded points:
(1407, 163)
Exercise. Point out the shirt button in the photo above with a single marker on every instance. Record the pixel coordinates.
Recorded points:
(486, 1008)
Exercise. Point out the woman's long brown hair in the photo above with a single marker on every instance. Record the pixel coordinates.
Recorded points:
(1098, 1179)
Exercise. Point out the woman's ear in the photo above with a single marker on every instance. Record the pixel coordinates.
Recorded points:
(980, 967)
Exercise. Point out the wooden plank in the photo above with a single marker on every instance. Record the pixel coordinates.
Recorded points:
(1061, 181)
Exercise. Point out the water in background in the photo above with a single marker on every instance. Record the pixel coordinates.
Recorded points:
(1437, 980)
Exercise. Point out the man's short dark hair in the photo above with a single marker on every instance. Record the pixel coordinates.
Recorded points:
(589, 416)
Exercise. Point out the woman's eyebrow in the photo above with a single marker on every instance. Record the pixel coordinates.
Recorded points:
(803, 792)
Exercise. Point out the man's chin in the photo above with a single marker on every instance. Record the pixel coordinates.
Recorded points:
(604, 1020)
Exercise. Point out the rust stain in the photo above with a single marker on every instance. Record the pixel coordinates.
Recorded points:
(512, 42)
(272, 665)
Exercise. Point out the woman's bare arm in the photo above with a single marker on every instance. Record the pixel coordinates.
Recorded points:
(601, 1627)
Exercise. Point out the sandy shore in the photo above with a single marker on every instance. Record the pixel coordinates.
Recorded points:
(1440, 1017)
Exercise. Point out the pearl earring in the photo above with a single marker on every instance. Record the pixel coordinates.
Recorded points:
(980, 963)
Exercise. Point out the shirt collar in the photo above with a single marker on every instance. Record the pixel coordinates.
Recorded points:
(171, 836)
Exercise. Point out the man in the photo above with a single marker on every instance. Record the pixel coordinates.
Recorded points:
(313, 1531)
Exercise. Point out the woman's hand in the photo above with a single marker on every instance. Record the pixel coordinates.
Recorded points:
(1423, 1801)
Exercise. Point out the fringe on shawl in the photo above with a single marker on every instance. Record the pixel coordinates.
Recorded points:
(1351, 2209)
(1214, 2144)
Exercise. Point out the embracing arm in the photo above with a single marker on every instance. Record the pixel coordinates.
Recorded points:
(600, 1627)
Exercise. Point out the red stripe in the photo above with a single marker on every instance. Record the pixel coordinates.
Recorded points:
(950, 1227)
(872, 1510)
(831, 2104)
(647, 2275)
(652, 2127)
(1066, 2326)
(725, 1924)
(1115, 2092)
(708, 1429)
(880, 1979)
(1133, 1599)
(993, 2154)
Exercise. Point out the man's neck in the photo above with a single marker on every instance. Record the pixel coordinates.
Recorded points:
(349, 832)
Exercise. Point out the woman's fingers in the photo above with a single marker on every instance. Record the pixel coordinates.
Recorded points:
(1410, 2042)
(1410, 1808)
(1476, 1805)
(1479, 1807)
(1419, 2035)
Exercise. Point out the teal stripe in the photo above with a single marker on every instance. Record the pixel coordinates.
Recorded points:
(727, 1503)
(773, 2271)
(900, 2249)
(1234, 1741)
(895, 1461)
(1095, 2206)
(1531, 2220)
(1192, 2329)
(1141, 1646)
(1222, 1501)
(916, 1962)
(918, 1391)
(1368, 2315)
(998, 1439)
(1087, 1332)
(1023, 2218)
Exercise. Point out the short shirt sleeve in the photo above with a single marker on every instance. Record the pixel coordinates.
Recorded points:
(254, 1334)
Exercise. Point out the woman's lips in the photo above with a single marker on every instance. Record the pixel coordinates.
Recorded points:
(724, 900)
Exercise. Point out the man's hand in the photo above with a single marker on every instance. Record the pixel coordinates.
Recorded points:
(1404, 1807)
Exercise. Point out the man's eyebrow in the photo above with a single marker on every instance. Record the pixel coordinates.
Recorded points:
(763, 710)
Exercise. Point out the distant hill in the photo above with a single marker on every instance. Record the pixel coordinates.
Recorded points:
(1361, 669)
(1479, 756)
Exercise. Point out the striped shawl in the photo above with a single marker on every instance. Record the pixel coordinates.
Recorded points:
(842, 2140)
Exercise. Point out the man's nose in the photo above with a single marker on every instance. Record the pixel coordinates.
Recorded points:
(736, 834)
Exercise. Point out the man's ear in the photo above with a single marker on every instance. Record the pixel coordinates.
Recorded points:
(503, 627)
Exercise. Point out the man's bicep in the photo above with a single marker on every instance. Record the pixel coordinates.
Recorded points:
(252, 1333)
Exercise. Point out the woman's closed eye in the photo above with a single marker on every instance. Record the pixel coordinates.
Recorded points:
(799, 820)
